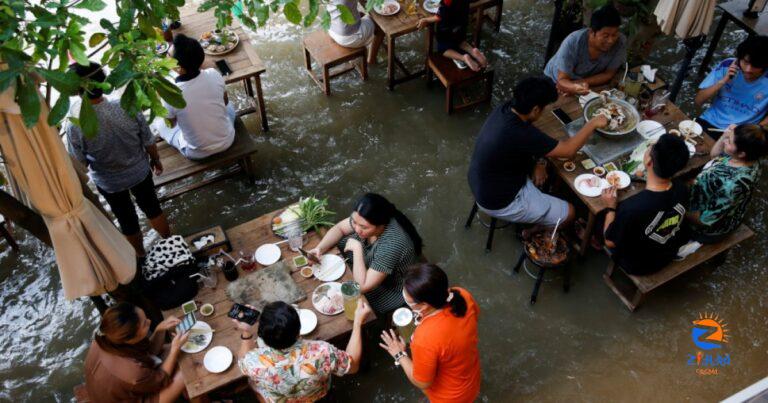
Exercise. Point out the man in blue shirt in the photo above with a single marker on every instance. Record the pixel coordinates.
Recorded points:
(738, 88)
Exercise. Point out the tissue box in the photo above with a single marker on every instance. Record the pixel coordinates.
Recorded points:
(215, 241)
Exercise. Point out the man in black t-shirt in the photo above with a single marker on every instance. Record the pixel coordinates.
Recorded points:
(645, 232)
(507, 165)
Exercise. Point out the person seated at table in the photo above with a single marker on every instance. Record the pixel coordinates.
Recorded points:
(589, 57)
(721, 192)
(120, 160)
(362, 33)
(646, 230)
(451, 33)
(206, 126)
(508, 164)
(446, 362)
(381, 243)
(739, 87)
(285, 368)
(122, 364)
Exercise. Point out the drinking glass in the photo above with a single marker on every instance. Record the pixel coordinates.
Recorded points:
(295, 235)
(632, 87)
(247, 262)
(403, 319)
(350, 290)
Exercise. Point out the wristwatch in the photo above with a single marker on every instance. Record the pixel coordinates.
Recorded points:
(399, 356)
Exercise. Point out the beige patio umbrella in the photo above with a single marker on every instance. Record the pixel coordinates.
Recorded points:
(690, 21)
(93, 257)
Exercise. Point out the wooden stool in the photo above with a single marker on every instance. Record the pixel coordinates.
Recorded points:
(491, 227)
(540, 276)
(454, 78)
(328, 54)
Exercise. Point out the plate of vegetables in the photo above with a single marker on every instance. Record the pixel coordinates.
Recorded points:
(311, 213)
(219, 42)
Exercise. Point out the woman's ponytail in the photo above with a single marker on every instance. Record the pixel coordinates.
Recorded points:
(428, 283)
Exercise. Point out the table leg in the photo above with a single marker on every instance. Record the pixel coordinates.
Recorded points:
(499, 9)
(390, 62)
(262, 107)
(713, 44)
(587, 234)
(248, 87)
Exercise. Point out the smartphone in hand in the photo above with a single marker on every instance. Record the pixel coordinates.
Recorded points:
(244, 314)
(187, 322)
(562, 116)
(223, 67)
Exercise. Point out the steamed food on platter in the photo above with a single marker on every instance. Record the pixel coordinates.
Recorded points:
(612, 111)
(327, 299)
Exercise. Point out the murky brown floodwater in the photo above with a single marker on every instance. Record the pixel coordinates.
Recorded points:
(582, 346)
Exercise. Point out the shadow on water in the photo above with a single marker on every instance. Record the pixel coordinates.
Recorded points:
(583, 345)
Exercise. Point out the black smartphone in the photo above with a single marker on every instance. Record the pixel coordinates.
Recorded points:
(244, 314)
(223, 67)
(187, 322)
(562, 116)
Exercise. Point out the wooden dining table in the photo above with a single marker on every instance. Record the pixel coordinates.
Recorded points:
(402, 23)
(670, 117)
(245, 63)
(247, 237)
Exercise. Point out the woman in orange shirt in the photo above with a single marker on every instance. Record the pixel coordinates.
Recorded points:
(445, 363)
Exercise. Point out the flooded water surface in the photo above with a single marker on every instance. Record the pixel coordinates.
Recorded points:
(581, 346)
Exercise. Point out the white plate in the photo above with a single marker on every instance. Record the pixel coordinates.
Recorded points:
(588, 191)
(379, 10)
(431, 6)
(217, 360)
(694, 127)
(205, 335)
(308, 321)
(331, 289)
(267, 254)
(648, 126)
(331, 268)
(624, 178)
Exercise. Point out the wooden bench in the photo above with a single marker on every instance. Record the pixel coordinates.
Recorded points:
(455, 79)
(646, 284)
(176, 167)
(328, 54)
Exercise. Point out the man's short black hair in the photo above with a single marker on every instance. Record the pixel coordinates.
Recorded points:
(279, 325)
(752, 140)
(756, 49)
(605, 16)
(93, 72)
(533, 91)
(669, 155)
(188, 53)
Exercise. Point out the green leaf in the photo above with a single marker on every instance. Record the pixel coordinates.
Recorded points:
(89, 124)
(169, 92)
(78, 53)
(121, 74)
(92, 5)
(261, 13)
(96, 39)
(128, 100)
(59, 110)
(15, 58)
(325, 20)
(346, 15)
(6, 78)
(311, 16)
(147, 28)
(292, 13)
(66, 82)
(28, 100)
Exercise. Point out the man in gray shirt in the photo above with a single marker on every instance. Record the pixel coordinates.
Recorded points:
(120, 160)
(589, 57)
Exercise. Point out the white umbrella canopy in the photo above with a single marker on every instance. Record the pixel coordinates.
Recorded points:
(93, 257)
(685, 18)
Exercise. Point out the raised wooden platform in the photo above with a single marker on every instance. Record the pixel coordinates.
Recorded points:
(646, 284)
(328, 54)
(176, 167)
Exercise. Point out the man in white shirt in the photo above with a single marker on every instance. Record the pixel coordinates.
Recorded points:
(206, 125)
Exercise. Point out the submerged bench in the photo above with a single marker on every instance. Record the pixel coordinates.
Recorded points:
(176, 167)
(646, 284)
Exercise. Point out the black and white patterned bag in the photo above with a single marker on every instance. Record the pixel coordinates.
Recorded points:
(166, 254)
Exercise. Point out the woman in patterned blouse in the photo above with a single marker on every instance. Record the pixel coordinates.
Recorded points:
(284, 368)
(381, 243)
(721, 192)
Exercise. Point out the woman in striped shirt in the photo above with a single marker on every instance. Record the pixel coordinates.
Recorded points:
(381, 243)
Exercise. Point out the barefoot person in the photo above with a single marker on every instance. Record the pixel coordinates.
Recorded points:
(122, 364)
(444, 361)
(589, 57)
(381, 242)
(508, 164)
(451, 33)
